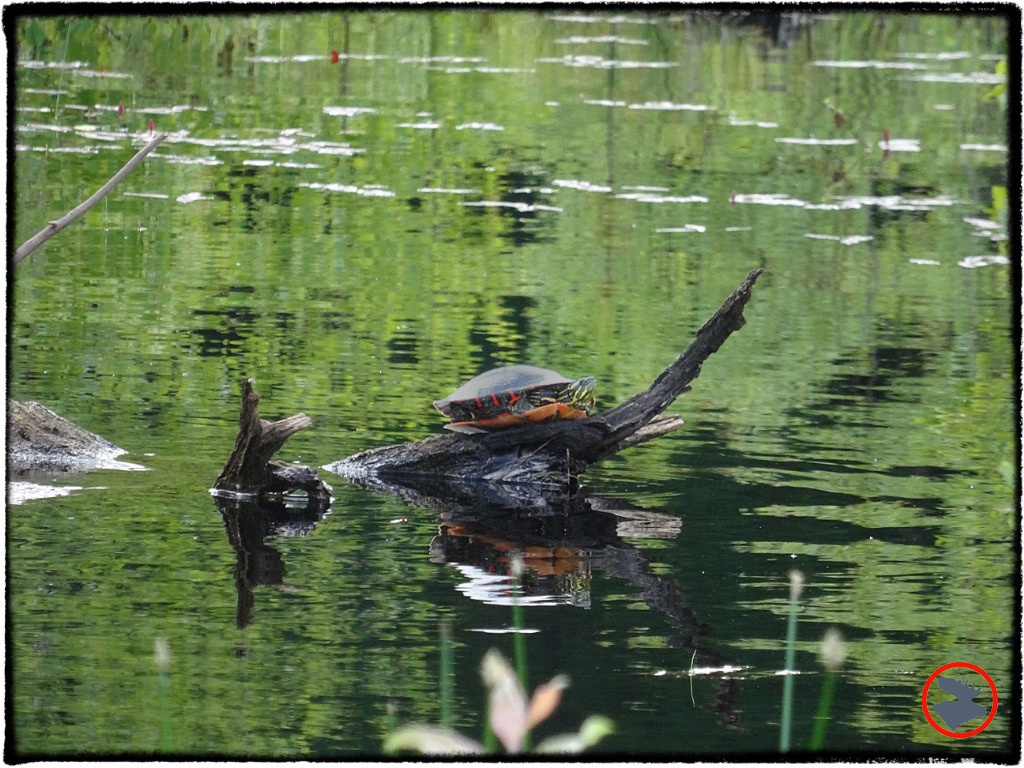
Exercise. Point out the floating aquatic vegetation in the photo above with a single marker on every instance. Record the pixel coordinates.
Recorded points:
(480, 127)
(501, 70)
(768, 199)
(175, 110)
(102, 73)
(684, 228)
(599, 62)
(427, 125)
(993, 230)
(505, 630)
(330, 148)
(817, 142)
(973, 78)
(585, 186)
(898, 202)
(733, 120)
(53, 64)
(870, 64)
(585, 19)
(192, 197)
(841, 206)
(348, 111)
(642, 188)
(187, 160)
(846, 240)
(36, 127)
(521, 207)
(605, 102)
(71, 150)
(648, 197)
(900, 145)
(973, 262)
(935, 56)
(442, 60)
(362, 56)
(583, 40)
(370, 190)
(300, 57)
(444, 191)
(668, 105)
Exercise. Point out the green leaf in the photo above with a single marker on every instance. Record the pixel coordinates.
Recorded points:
(34, 35)
(594, 728)
(431, 740)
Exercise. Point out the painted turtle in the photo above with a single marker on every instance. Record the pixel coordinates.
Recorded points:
(514, 395)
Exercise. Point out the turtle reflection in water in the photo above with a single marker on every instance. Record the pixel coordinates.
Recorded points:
(514, 395)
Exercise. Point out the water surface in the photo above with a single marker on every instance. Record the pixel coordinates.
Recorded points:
(460, 190)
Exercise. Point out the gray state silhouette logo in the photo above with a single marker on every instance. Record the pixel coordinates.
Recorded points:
(958, 711)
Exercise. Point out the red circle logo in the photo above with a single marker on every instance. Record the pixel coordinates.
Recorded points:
(927, 711)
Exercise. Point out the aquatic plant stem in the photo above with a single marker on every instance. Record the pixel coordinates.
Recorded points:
(796, 583)
(518, 638)
(832, 654)
(74, 214)
(821, 717)
(445, 674)
(162, 658)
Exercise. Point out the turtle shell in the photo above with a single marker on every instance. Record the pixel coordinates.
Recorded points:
(511, 389)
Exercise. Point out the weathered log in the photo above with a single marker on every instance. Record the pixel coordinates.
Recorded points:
(249, 470)
(553, 455)
(39, 440)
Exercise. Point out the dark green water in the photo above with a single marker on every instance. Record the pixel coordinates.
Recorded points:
(466, 189)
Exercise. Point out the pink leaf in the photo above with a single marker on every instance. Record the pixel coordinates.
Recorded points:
(545, 699)
(507, 702)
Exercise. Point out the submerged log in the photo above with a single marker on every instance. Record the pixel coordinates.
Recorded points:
(249, 470)
(553, 455)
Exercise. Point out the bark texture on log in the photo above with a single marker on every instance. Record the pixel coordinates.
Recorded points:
(39, 440)
(554, 454)
(249, 470)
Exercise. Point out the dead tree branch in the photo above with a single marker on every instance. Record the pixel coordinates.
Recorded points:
(73, 215)
(554, 454)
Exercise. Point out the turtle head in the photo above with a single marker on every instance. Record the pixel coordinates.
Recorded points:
(580, 394)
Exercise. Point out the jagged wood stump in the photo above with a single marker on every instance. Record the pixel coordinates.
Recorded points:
(555, 454)
(249, 471)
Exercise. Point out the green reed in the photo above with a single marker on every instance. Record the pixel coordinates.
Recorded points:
(796, 585)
